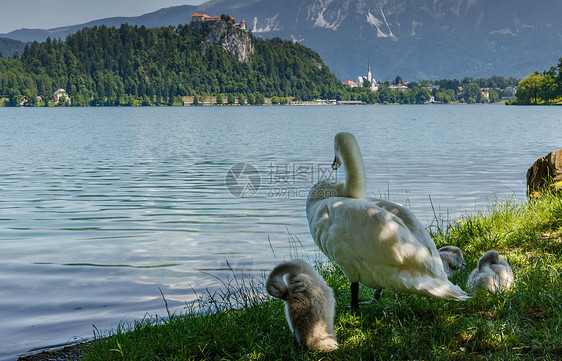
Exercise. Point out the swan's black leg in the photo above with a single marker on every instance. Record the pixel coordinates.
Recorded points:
(377, 295)
(354, 295)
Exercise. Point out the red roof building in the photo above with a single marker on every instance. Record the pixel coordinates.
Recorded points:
(200, 17)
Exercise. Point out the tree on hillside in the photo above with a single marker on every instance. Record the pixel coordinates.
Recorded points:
(260, 99)
(227, 17)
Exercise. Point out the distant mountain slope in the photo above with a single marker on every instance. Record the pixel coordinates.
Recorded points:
(9, 46)
(163, 17)
(416, 39)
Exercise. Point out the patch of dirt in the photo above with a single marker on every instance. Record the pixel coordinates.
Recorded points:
(67, 353)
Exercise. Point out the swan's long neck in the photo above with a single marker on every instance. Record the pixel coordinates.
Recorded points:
(355, 181)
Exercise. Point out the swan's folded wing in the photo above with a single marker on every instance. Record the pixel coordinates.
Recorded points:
(409, 219)
(356, 234)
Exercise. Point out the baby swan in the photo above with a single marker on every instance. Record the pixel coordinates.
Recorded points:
(452, 259)
(309, 304)
(492, 274)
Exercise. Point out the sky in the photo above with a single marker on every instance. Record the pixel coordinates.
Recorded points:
(46, 14)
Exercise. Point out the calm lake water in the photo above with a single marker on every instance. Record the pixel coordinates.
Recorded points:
(101, 209)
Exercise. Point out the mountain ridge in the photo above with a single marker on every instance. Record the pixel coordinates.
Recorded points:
(414, 39)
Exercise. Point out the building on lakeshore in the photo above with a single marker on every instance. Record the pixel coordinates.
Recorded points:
(349, 102)
(61, 94)
(369, 80)
(401, 87)
(350, 83)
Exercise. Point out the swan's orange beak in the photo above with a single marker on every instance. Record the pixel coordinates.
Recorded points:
(336, 163)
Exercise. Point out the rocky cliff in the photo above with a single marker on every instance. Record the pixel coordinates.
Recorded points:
(234, 40)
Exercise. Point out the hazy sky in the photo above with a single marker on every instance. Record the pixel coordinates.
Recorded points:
(45, 14)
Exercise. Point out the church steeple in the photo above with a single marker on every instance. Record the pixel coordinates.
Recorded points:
(369, 72)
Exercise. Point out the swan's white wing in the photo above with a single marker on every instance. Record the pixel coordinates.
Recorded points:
(409, 219)
(373, 246)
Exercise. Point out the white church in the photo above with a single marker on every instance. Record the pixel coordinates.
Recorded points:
(362, 79)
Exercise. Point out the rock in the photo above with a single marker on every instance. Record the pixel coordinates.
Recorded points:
(545, 172)
(236, 41)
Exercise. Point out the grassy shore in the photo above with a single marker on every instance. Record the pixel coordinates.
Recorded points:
(522, 323)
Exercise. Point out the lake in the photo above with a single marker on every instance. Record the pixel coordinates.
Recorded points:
(102, 209)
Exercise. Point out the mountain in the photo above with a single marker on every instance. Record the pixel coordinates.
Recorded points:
(416, 39)
(9, 47)
(169, 16)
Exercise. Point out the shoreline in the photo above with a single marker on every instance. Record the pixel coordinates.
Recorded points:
(528, 233)
(70, 352)
(300, 104)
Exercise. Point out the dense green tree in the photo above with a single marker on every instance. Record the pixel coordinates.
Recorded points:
(548, 88)
(493, 96)
(422, 96)
(471, 93)
(384, 94)
(445, 84)
(528, 89)
(260, 99)
(445, 96)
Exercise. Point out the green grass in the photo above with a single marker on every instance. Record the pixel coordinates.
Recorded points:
(522, 323)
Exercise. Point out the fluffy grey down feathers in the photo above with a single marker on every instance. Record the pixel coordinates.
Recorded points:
(309, 304)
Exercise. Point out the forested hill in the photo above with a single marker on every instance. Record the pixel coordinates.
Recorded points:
(9, 47)
(130, 64)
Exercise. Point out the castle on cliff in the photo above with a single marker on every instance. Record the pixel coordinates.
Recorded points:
(196, 17)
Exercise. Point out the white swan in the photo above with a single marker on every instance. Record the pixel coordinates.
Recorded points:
(371, 244)
(452, 259)
(492, 274)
